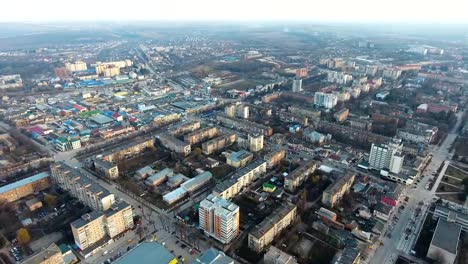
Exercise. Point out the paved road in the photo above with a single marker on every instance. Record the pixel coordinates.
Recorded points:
(398, 242)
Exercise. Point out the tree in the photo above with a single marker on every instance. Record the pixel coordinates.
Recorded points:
(50, 200)
(23, 237)
(198, 151)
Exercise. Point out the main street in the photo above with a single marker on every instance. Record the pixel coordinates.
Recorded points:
(419, 197)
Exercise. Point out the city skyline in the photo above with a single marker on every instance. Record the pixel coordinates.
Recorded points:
(451, 12)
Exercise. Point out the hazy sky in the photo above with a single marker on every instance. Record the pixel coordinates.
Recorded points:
(451, 11)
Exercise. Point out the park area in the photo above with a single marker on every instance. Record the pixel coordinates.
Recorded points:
(454, 184)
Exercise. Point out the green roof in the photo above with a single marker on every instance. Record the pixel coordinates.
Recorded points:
(147, 253)
(269, 186)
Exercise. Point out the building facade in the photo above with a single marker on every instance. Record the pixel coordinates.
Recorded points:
(219, 218)
(80, 186)
(333, 194)
(326, 100)
(22, 188)
(264, 233)
(255, 142)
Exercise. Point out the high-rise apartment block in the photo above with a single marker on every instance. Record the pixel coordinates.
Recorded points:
(95, 229)
(77, 66)
(388, 156)
(297, 85)
(219, 218)
(80, 186)
(326, 100)
(255, 142)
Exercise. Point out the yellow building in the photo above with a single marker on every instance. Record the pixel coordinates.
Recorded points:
(118, 219)
(200, 135)
(299, 175)
(90, 230)
(77, 66)
(240, 179)
(22, 188)
(218, 143)
(275, 157)
(333, 194)
(239, 159)
(264, 233)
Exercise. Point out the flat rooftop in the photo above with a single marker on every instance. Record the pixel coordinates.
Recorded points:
(272, 220)
(446, 236)
(146, 253)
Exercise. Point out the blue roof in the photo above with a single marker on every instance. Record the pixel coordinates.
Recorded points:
(23, 182)
(146, 253)
(213, 256)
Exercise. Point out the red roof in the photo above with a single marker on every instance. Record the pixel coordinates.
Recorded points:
(79, 107)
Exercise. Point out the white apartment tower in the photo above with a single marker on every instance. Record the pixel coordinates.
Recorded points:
(325, 100)
(219, 218)
(387, 156)
(255, 142)
(297, 85)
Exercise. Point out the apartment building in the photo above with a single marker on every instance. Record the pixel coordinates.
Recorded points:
(50, 255)
(96, 229)
(274, 157)
(89, 231)
(219, 218)
(341, 115)
(133, 148)
(255, 142)
(299, 175)
(27, 186)
(326, 100)
(81, 187)
(106, 169)
(387, 156)
(333, 194)
(245, 125)
(175, 144)
(218, 143)
(77, 66)
(239, 159)
(200, 135)
(118, 219)
(240, 179)
(276, 256)
(264, 233)
(184, 128)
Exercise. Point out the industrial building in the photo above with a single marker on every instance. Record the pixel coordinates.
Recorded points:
(188, 187)
(219, 218)
(444, 243)
(148, 253)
